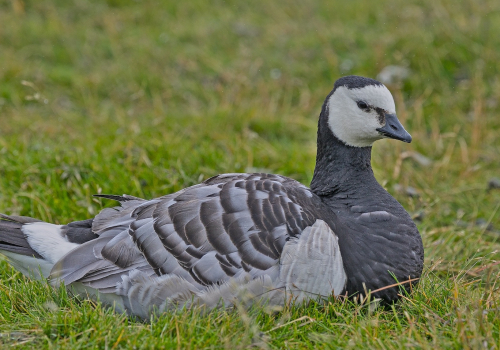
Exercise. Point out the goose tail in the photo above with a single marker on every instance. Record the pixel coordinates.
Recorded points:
(32, 246)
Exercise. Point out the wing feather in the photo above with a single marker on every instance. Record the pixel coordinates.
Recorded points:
(229, 226)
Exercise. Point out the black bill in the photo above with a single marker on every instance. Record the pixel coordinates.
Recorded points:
(393, 129)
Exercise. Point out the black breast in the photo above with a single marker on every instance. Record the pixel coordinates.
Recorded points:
(379, 242)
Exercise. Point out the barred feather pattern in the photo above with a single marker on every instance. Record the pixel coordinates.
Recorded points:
(230, 229)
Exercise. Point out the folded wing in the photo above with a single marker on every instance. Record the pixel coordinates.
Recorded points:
(231, 227)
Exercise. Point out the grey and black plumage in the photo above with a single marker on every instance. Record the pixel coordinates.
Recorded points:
(244, 237)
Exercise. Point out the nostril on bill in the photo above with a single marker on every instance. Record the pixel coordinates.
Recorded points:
(394, 126)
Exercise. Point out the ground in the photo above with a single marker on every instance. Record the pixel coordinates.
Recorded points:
(145, 98)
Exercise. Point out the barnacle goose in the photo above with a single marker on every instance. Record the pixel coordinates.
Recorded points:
(244, 237)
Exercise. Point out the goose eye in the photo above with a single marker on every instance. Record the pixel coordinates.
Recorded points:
(362, 105)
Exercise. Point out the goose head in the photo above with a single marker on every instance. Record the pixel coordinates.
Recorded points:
(360, 111)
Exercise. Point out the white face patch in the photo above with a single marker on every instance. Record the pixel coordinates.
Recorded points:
(351, 124)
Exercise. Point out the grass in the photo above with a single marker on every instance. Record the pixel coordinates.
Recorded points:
(146, 98)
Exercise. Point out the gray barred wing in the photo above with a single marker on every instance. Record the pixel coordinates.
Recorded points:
(232, 225)
(228, 225)
(256, 234)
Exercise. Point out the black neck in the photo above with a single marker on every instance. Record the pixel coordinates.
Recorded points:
(337, 162)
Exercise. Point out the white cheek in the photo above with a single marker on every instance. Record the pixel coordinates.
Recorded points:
(367, 130)
(350, 124)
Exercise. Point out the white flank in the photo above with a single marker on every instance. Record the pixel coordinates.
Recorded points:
(110, 299)
(47, 240)
(311, 266)
(352, 125)
(28, 265)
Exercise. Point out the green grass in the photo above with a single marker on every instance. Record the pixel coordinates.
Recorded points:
(146, 98)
